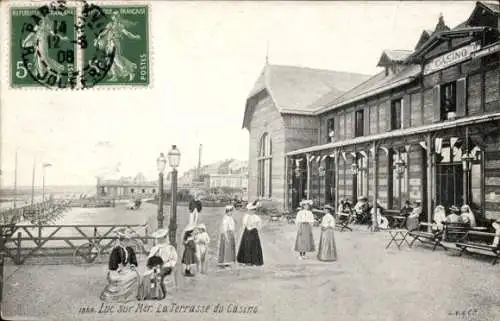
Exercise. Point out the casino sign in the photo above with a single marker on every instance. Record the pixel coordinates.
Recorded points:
(451, 58)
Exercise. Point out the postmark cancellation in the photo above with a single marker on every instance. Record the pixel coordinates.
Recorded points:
(79, 44)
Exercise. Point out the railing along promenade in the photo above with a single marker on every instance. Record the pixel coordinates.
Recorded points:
(19, 242)
(29, 212)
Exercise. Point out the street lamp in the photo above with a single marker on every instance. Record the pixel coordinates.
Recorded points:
(174, 158)
(400, 167)
(467, 160)
(161, 163)
(354, 169)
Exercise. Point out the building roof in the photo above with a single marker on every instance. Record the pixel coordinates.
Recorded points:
(376, 84)
(493, 6)
(295, 88)
(390, 56)
(426, 34)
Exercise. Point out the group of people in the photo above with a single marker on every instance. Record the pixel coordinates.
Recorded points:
(250, 249)
(304, 241)
(126, 284)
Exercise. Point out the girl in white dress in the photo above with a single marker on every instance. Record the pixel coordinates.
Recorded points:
(304, 221)
(201, 239)
(327, 250)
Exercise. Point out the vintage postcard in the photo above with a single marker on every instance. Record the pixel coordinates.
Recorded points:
(249, 160)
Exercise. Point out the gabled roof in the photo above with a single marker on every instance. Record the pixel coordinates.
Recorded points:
(293, 89)
(390, 56)
(426, 34)
(493, 6)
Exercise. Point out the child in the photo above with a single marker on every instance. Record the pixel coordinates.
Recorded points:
(189, 255)
(201, 240)
(151, 287)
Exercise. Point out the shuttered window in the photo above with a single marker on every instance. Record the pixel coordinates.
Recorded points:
(359, 123)
(437, 103)
(366, 125)
(406, 112)
(396, 114)
(461, 97)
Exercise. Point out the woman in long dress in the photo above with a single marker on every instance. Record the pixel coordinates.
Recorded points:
(189, 255)
(202, 239)
(304, 221)
(161, 260)
(227, 243)
(327, 250)
(250, 250)
(123, 278)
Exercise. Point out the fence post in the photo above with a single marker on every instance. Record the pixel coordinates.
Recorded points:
(18, 252)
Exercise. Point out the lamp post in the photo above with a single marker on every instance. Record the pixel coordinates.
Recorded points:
(161, 162)
(400, 167)
(174, 158)
(467, 160)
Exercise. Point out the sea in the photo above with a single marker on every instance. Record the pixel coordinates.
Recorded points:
(23, 194)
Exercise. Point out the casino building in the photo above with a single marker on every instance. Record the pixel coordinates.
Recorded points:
(426, 127)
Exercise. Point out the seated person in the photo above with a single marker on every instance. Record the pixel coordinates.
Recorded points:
(454, 216)
(468, 216)
(151, 287)
(412, 221)
(496, 226)
(439, 217)
(161, 261)
(362, 205)
(376, 213)
(123, 278)
(406, 209)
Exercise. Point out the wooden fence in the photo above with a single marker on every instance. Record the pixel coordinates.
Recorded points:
(20, 242)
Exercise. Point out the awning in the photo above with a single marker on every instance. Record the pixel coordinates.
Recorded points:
(400, 133)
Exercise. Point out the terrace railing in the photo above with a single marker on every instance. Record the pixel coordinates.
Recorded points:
(20, 242)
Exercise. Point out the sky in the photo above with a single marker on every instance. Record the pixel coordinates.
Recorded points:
(205, 58)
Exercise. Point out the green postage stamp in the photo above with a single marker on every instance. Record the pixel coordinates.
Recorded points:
(77, 44)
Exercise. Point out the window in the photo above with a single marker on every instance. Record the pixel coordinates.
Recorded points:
(448, 100)
(396, 113)
(358, 131)
(449, 177)
(264, 167)
(330, 130)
